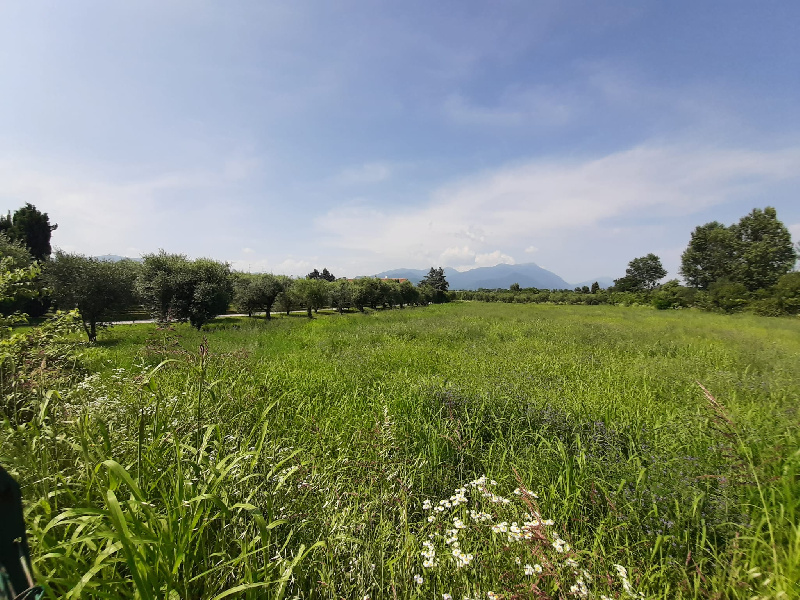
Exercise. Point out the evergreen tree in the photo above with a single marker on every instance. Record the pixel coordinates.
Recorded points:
(436, 285)
(32, 228)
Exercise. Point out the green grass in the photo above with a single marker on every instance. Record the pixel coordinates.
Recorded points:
(294, 459)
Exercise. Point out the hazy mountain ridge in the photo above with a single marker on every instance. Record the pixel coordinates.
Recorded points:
(498, 276)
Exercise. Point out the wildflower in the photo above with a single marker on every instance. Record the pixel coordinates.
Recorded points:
(492, 482)
(518, 560)
(529, 570)
(458, 523)
(429, 563)
(447, 597)
(431, 519)
(418, 579)
(560, 545)
(426, 504)
(571, 563)
(491, 595)
(579, 589)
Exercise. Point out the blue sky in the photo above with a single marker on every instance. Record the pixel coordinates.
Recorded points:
(365, 136)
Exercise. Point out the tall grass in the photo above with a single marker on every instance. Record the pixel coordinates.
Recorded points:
(293, 457)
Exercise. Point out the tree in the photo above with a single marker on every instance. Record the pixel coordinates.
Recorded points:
(312, 293)
(341, 294)
(173, 287)
(595, 288)
(31, 228)
(408, 293)
(16, 250)
(710, 256)
(514, 287)
(325, 275)
(643, 273)
(253, 293)
(98, 289)
(286, 298)
(755, 252)
(436, 284)
(765, 249)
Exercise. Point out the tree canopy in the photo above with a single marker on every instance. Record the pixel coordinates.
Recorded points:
(435, 285)
(97, 288)
(643, 273)
(30, 227)
(174, 288)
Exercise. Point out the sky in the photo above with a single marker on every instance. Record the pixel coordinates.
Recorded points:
(364, 136)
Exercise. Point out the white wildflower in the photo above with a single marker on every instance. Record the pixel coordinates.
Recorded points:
(418, 579)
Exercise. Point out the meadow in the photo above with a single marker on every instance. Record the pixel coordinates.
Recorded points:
(465, 450)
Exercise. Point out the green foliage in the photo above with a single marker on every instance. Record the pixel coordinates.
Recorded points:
(765, 249)
(31, 228)
(172, 287)
(434, 286)
(754, 252)
(16, 284)
(99, 289)
(642, 274)
(673, 295)
(255, 293)
(728, 296)
(787, 293)
(325, 275)
(311, 293)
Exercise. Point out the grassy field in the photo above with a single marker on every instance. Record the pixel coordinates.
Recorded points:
(472, 450)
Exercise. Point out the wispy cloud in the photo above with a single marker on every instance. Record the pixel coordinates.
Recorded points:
(549, 200)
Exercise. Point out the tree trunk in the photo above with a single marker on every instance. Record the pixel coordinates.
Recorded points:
(92, 332)
(309, 311)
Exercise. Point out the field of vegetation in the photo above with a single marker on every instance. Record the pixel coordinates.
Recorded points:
(465, 450)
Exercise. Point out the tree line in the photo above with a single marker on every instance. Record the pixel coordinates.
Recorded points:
(743, 266)
(171, 287)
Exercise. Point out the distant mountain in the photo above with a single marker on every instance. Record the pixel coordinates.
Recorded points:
(498, 276)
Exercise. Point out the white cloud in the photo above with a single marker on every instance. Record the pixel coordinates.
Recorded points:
(531, 249)
(554, 199)
(493, 258)
(794, 229)
(247, 251)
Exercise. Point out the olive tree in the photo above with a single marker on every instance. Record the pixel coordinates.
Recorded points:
(99, 289)
(254, 293)
(172, 287)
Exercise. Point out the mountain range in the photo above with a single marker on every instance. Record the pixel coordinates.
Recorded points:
(498, 276)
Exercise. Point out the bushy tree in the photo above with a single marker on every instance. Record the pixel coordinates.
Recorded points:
(325, 275)
(642, 274)
(30, 227)
(765, 249)
(408, 293)
(98, 289)
(254, 293)
(174, 288)
(595, 288)
(435, 285)
(755, 252)
(286, 299)
(341, 294)
(312, 293)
